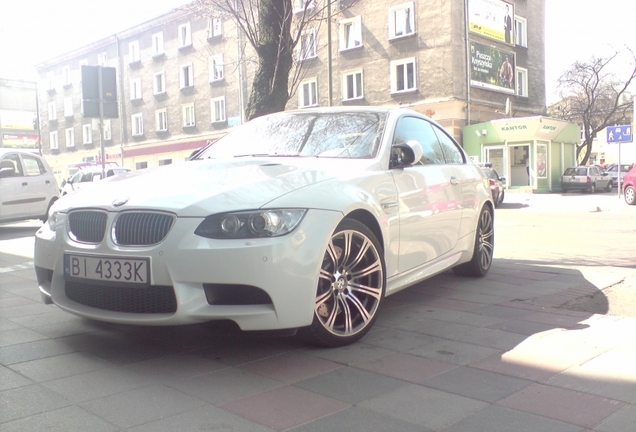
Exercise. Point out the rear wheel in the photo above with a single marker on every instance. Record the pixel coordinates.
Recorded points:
(609, 187)
(592, 188)
(481, 261)
(350, 288)
(501, 198)
(630, 195)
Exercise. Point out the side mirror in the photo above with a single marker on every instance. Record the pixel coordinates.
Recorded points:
(406, 154)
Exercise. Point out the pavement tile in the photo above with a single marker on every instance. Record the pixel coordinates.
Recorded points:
(536, 371)
(398, 340)
(140, 406)
(97, 384)
(502, 311)
(350, 384)
(205, 418)
(60, 366)
(291, 367)
(241, 351)
(68, 419)
(501, 340)
(175, 367)
(53, 316)
(349, 354)
(14, 300)
(454, 352)
(24, 310)
(460, 317)
(6, 324)
(452, 304)
(431, 408)
(577, 408)
(621, 421)
(357, 419)
(224, 385)
(33, 351)
(521, 327)
(500, 419)
(476, 383)
(562, 321)
(19, 336)
(437, 328)
(406, 367)
(10, 379)
(27, 401)
(284, 407)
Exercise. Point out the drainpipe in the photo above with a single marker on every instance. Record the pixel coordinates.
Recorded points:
(120, 101)
(329, 57)
(467, 63)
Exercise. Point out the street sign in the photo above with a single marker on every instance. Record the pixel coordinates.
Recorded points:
(619, 134)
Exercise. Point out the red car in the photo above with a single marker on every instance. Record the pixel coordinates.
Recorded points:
(629, 186)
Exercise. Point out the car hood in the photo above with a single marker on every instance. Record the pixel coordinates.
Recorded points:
(200, 188)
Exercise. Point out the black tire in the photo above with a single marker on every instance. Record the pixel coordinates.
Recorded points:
(501, 198)
(592, 188)
(351, 287)
(610, 186)
(630, 195)
(484, 248)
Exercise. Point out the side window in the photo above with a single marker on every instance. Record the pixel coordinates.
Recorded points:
(12, 161)
(32, 166)
(452, 153)
(412, 128)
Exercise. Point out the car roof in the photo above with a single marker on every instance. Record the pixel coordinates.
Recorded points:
(5, 150)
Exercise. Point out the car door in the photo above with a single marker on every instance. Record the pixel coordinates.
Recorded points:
(429, 198)
(14, 191)
(39, 184)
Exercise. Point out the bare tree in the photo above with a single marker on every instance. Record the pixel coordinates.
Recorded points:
(595, 97)
(276, 30)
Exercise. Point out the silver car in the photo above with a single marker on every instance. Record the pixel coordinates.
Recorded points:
(28, 188)
(585, 178)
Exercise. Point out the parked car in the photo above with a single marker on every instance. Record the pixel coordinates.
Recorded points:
(585, 178)
(28, 188)
(496, 183)
(629, 186)
(297, 220)
(612, 171)
(88, 175)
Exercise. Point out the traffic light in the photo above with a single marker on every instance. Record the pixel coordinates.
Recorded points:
(91, 96)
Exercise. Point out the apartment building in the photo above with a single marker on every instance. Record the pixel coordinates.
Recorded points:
(18, 115)
(184, 80)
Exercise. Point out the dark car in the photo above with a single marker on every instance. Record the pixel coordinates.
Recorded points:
(585, 178)
(496, 184)
(629, 186)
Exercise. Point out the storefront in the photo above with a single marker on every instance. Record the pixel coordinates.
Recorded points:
(530, 152)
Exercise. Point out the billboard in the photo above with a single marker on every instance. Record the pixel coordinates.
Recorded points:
(493, 19)
(22, 141)
(18, 120)
(492, 68)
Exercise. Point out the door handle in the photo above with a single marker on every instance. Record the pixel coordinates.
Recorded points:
(454, 181)
(47, 182)
(25, 184)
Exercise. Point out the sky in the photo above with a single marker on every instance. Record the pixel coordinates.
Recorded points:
(32, 31)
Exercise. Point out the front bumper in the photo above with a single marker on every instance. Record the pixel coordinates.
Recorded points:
(275, 278)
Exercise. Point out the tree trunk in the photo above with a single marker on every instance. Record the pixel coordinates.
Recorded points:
(270, 86)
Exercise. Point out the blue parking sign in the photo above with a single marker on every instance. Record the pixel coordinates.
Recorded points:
(618, 134)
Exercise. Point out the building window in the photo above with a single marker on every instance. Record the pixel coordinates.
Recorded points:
(133, 52)
(401, 20)
(217, 72)
(141, 165)
(163, 162)
(108, 131)
(350, 33)
(137, 124)
(215, 28)
(50, 81)
(352, 85)
(70, 137)
(301, 6)
(403, 75)
(87, 133)
(522, 81)
(66, 76)
(185, 36)
(135, 89)
(307, 45)
(53, 141)
(308, 94)
(186, 76)
(159, 83)
(102, 59)
(68, 107)
(217, 106)
(157, 44)
(521, 31)
(52, 108)
(161, 118)
(188, 115)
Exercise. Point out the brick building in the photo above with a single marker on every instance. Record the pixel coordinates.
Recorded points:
(182, 79)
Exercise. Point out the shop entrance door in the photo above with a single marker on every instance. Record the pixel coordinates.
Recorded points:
(519, 165)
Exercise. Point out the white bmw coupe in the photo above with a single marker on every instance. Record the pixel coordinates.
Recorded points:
(296, 220)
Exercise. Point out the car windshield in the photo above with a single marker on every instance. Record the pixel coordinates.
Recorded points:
(335, 135)
(575, 172)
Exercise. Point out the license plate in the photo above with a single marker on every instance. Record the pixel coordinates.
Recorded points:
(108, 269)
(576, 180)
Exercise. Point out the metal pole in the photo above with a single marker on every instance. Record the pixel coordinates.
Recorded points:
(329, 57)
(101, 121)
(618, 171)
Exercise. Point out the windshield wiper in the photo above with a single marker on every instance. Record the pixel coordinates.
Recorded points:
(268, 155)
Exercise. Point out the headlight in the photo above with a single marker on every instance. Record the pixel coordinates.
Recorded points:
(52, 219)
(250, 224)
